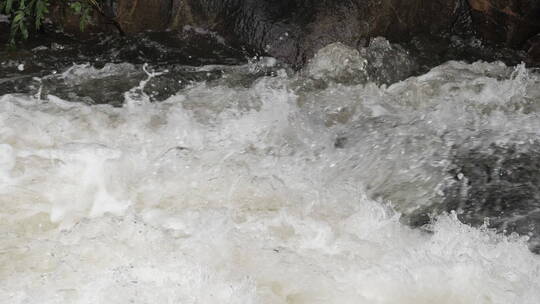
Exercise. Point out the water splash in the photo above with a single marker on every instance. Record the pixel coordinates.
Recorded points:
(281, 190)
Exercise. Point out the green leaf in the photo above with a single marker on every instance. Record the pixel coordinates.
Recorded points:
(18, 17)
(27, 13)
(41, 10)
(9, 5)
(77, 7)
(24, 30)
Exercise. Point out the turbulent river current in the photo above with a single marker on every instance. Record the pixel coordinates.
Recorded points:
(349, 181)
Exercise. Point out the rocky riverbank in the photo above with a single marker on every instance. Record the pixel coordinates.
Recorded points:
(294, 30)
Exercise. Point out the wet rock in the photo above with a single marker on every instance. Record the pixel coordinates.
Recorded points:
(62, 16)
(141, 15)
(171, 51)
(510, 22)
(388, 62)
(295, 30)
(292, 30)
(430, 51)
(381, 62)
(337, 62)
(533, 51)
(499, 186)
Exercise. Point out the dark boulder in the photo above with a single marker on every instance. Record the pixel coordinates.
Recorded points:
(509, 22)
(141, 15)
(295, 29)
(292, 30)
(533, 51)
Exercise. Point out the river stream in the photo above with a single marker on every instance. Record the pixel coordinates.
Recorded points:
(365, 177)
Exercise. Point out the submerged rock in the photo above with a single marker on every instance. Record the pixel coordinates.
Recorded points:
(499, 187)
(381, 62)
(339, 63)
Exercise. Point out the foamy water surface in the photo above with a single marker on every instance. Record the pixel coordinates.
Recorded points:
(287, 190)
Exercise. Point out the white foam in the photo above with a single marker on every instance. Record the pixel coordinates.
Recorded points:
(337, 61)
(237, 195)
(79, 73)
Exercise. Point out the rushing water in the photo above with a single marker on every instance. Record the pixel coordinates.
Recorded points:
(252, 183)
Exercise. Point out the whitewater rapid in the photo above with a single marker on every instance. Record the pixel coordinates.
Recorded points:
(287, 189)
